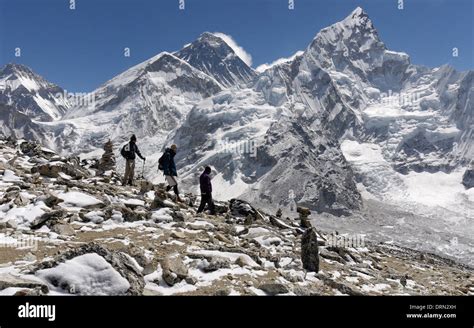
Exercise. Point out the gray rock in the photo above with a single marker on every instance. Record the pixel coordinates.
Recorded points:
(178, 235)
(48, 218)
(241, 208)
(331, 255)
(149, 268)
(52, 200)
(174, 270)
(11, 224)
(7, 280)
(64, 229)
(242, 261)
(216, 263)
(191, 280)
(53, 170)
(468, 178)
(274, 288)
(178, 216)
(130, 215)
(30, 292)
(222, 292)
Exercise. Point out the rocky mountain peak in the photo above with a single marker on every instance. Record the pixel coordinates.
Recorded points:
(12, 68)
(212, 55)
(31, 94)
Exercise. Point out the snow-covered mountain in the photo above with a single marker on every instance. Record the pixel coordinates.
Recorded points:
(213, 56)
(31, 94)
(15, 123)
(149, 100)
(344, 118)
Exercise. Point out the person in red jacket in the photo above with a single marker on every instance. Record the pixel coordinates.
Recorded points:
(206, 191)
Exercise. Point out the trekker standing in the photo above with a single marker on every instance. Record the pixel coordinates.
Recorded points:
(206, 191)
(167, 164)
(128, 151)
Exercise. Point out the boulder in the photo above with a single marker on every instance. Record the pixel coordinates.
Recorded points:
(178, 235)
(222, 292)
(243, 261)
(130, 215)
(11, 224)
(8, 280)
(274, 288)
(221, 207)
(48, 218)
(309, 250)
(52, 200)
(178, 216)
(468, 178)
(174, 270)
(29, 292)
(120, 261)
(331, 255)
(34, 149)
(145, 186)
(241, 208)
(215, 264)
(64, 229)
(53, 170)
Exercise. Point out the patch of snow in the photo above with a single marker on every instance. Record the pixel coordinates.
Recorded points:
(88, 274)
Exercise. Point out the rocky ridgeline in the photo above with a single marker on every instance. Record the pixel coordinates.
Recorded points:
(68, 227)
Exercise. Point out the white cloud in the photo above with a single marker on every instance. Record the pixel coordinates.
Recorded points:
(266, 66)
(239, 51)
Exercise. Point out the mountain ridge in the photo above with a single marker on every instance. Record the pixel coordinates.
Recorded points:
(334, 90)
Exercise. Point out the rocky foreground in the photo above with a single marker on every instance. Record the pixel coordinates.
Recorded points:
(69, 227)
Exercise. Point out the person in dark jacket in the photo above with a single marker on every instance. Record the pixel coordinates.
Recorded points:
(128, 151)
(206, 191)
(169, 170)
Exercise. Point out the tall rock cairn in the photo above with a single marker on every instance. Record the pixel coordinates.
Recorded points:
(107, 162)
(303, 216)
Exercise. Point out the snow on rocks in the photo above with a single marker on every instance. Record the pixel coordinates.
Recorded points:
(10, 176)
(87, 274)
(243, 258)
(92, 269)
(93, 236)
(79, 199)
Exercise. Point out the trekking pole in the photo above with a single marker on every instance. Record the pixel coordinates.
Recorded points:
(143, 169)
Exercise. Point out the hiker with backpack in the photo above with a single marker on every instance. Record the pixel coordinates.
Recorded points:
(128, 152)
(206, 191)
(167, 165)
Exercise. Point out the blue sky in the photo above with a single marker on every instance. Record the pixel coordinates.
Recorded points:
(82, 48)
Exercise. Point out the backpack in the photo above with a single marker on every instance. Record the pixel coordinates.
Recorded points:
(161, 162)
(126, 152)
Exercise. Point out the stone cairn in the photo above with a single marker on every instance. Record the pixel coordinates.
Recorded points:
(107, 162)
(309, 241)
(304, 212)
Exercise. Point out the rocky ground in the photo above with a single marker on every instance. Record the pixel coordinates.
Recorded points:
(64, 229)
